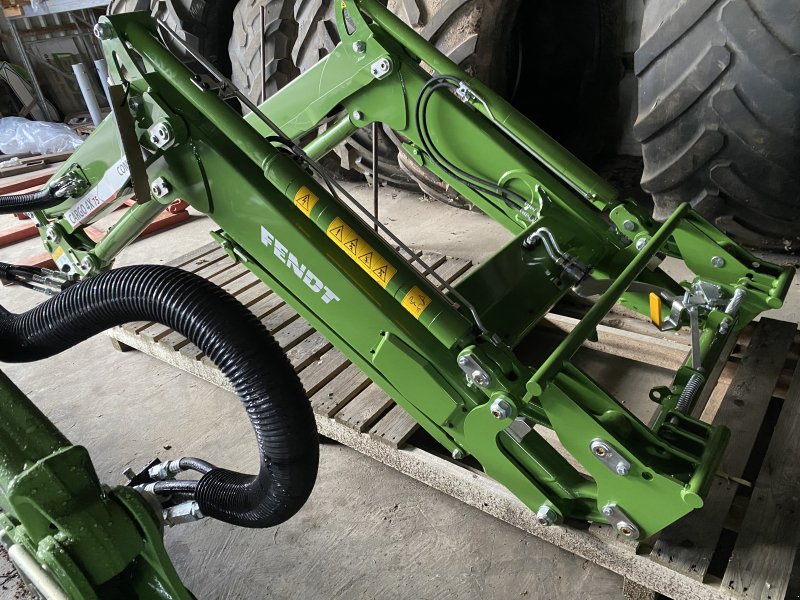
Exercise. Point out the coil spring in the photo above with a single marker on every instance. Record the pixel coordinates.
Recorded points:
(689, 392)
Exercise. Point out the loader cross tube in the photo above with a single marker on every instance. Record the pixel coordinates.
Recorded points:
(422, 346)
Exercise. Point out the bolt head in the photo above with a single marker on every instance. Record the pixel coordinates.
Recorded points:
(546, 516)
(622, 469)
(359, 47)
(717, 262)
(358, 115)
(87, 264)
(641, 243)
(462, 360)
(160, 188)
(608, 511)
(629, 225)
(135, 104)
(501, 409)
(480, 378)
(458, 454)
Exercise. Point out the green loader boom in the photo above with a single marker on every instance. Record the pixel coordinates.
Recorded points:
(445, 353)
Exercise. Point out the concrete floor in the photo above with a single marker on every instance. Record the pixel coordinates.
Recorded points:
(366, 532)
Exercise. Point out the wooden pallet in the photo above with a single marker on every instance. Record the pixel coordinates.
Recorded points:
(742, 544)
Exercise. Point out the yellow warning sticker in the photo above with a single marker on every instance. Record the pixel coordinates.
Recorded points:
(416, 301)
(305, 200)
(360, 251)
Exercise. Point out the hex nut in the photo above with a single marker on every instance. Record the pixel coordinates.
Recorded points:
(546, 516)
(103, 31)
(359, 47)
(625, 528)
(600, 449)
(501, 409)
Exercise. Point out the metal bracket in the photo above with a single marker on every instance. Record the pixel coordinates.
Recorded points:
(381, 68)
(161, 135)
(610, 457)
(476, 375)
(621, 522)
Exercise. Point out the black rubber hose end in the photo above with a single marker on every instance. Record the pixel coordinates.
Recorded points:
(20, 203)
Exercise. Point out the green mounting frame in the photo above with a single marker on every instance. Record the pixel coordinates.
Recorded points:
(447, 357)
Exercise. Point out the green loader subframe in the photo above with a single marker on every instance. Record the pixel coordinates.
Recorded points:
(447, 356)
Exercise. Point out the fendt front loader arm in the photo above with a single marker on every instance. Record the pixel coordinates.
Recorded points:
(444, 354)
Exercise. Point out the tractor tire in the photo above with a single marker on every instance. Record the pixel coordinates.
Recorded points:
(277, 37)
(205, 26)
(556, 61)
(719, 114)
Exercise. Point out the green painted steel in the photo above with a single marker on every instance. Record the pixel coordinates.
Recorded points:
(94, 541)
(448, 356)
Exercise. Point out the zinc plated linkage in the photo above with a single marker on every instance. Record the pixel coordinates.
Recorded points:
(464, 385)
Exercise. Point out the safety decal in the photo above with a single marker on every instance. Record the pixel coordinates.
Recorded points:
(360, 251)
(60, 258)
(305, 200)
(416, 301)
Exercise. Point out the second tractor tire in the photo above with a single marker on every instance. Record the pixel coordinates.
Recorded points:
(719, 114)
(204, 25)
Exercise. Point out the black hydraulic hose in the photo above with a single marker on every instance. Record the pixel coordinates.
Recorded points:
(19, 203)
(230, 336)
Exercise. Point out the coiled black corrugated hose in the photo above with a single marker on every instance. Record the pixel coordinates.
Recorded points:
(230, 336)
(19, 203)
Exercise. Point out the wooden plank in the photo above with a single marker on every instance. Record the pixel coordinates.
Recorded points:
(339, 391)
(18, 232)
(364, 409)
(323, 370)
(395, 428)
(253, 294)
(193, 256)
(627, 344)
(19, 183)
(294, 333)
(266, 305)
(451, 270)
(308, 351)
(765, 550)
(688, 545)
(279, 318)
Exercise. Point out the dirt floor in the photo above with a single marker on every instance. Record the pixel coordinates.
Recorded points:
(367, 531)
